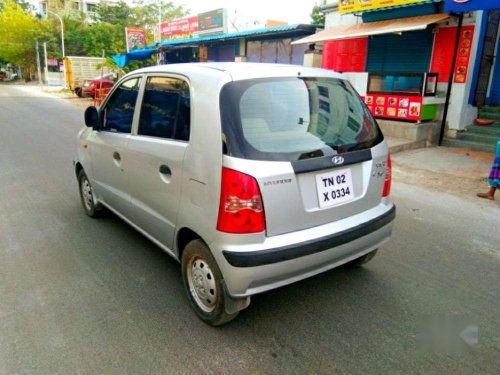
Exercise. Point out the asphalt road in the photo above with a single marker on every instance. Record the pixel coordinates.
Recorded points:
(84, 296)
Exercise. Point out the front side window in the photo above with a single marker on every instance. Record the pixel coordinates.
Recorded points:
(165, 111)
(287, 119)
(119, 110)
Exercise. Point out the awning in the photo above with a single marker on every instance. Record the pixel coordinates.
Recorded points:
(140, 54)
(373, 28)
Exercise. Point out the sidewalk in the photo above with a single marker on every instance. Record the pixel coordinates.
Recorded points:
(456, 171)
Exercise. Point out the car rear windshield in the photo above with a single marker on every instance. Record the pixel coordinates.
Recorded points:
(287, 119)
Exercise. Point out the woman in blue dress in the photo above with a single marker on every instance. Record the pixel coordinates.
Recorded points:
(494, 178)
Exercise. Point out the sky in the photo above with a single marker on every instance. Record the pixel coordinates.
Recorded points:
(247, 12)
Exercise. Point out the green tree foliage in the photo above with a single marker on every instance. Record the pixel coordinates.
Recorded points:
(317, 16)
(19, 31)
(147, 13)
(115, 14)
(104, 36)
(25, 5)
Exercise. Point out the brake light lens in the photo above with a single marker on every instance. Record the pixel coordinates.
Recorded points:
(240, 208)
(388, 177)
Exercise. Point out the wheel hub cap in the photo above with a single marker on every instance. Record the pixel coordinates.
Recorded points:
(87, 194)
(202, 284)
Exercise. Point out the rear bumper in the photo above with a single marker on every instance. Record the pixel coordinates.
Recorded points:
(247, 271)
(284, 253)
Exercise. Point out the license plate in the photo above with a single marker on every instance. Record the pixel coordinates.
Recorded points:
(334, 188)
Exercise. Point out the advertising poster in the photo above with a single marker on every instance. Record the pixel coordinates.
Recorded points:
(135, 38)
(179, 29)
(463, 56)
(354, 6)
(395, 106)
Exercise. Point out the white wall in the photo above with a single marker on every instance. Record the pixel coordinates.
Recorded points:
(333, 18)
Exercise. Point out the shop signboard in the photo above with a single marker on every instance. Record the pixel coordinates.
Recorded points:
(134, 38)
(358, 6)
(470, 5)
(213, 22)
(179, 29)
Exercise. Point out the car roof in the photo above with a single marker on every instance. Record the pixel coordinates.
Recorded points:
(240, 71)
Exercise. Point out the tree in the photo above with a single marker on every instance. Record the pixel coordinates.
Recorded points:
(25, 5)
(19, 31)
(103, 36)
(317, 15)
(147, 14)
(116, 14)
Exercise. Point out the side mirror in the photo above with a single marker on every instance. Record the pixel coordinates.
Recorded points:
(92, 117)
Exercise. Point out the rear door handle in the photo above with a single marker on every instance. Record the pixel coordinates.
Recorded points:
(165, 170)
(117, 156)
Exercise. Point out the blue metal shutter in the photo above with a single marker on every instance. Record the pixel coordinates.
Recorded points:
(409, 52)
(494, 96)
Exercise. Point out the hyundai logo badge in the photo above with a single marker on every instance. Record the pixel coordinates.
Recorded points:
(338, 160)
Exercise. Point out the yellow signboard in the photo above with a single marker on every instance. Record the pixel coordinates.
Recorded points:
(354, 6)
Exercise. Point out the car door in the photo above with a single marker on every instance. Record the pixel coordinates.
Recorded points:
(156, 151)
(110, 162)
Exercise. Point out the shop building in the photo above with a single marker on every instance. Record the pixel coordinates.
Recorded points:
(266, 45)
(399, 57)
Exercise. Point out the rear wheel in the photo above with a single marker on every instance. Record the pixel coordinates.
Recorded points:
(362, 260)
(90, 205)
(202, 281)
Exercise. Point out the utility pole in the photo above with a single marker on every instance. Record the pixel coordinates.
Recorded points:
(38, 64)
(46, 69)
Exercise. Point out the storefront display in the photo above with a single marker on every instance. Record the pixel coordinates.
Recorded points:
(402, 96)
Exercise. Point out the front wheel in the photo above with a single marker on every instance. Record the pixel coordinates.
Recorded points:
(90, 205)
(202, 281)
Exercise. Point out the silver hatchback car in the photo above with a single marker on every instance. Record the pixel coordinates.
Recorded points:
(252, 176)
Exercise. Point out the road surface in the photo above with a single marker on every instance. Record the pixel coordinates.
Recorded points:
(84, 296)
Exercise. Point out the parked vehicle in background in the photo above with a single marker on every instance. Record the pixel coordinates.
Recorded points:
(90, 87)
(80, 68)
(2, 76)
(252, 176)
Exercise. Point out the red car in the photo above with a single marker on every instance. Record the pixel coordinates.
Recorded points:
(90, 86)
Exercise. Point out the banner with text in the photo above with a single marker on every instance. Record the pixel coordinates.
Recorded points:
(355, 6)
(179, 29)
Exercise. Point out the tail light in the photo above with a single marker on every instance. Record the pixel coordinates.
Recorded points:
(388, 177)
(240, 208)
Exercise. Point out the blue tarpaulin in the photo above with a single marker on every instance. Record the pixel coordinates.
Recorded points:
(140, 54)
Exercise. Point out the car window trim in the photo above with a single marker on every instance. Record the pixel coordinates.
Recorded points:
(135, 127)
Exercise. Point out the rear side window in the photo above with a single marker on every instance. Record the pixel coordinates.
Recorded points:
(119, 109)
(165, 111)
(294, 118)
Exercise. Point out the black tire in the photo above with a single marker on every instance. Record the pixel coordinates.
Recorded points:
(362, 260)
(79, 92)
(91, 207)
(195, 259)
